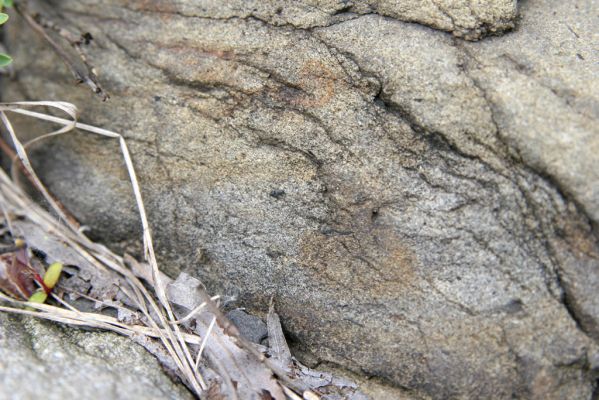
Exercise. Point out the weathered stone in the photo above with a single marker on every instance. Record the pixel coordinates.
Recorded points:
(421, 208)
(250, 327)
(464, 18)
(42, 360)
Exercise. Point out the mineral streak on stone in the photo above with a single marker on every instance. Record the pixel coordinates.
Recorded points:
(436, 223)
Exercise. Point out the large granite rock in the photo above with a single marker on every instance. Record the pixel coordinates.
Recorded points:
(422, 208)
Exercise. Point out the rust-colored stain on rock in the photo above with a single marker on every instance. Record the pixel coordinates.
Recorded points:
(369, 258)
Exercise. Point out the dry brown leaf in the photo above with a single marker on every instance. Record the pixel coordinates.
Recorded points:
(17, 275)
(323, 383)
(277, 344)
(251, 378)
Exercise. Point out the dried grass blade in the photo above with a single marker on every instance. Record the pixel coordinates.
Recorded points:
(177, 345)
(203, 345)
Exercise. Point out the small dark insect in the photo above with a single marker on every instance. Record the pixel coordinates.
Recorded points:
(87, 38)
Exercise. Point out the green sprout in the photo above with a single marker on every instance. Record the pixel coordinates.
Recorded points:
(50, 279)
(5, 59)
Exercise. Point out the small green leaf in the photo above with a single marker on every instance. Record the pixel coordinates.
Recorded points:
(8, 3)
(38, 297)
(5, 60)
(52, 275)
(3, 18)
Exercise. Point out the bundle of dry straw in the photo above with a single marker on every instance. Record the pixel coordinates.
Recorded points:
(159, 316)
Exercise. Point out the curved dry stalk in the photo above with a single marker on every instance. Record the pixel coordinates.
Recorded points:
(171, 336)
(203, 345)
(194, 312)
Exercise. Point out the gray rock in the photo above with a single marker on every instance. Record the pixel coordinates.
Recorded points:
(39, 359)
(423, 209)
(250, 327)
(463, 18)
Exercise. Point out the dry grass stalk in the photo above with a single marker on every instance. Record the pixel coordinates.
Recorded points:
(13, 198)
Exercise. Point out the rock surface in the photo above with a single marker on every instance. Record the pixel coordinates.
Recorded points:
(422, 208)
(463, 18)
(42, 360)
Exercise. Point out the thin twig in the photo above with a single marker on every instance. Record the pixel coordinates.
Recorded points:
(76, 43)
(89, 78)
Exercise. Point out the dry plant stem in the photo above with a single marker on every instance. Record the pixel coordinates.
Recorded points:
(43, 219)
(6, 149)
(141, 296)
(51, 225)
(90, 78)
(194, 312)
(72, 316)
(147, 237)
(76, 43)
(173, 339)
(104, 303)
(291, 394)
(27, 165)
(22, 154)
(203, 345)
(62, 302)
